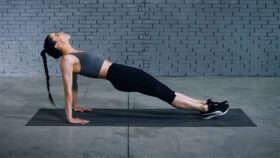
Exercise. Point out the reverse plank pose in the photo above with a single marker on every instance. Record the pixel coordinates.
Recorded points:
(122, 77)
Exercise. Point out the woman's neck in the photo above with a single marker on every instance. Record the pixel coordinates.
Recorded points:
(72, 50)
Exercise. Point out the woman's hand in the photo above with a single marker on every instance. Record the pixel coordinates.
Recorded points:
(77, 120)
(81, 109)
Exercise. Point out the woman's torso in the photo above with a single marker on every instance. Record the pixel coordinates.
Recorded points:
(103, 71)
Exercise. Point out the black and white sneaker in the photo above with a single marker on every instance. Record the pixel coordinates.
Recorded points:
(215, 109)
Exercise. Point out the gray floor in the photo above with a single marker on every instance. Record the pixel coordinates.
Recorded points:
(258, 98)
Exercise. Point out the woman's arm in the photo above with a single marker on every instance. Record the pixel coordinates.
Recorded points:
(66, 70)
(75, 94)
(66, 66)
(75, 90)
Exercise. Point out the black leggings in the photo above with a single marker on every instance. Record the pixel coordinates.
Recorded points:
(131, 79)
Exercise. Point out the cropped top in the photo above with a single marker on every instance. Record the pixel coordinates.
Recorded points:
(90, 64)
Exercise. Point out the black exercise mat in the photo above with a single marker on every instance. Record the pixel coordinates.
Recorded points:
(140, 117)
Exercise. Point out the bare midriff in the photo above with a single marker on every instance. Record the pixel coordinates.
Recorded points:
(104, 69)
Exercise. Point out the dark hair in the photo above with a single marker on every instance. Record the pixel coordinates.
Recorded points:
(55, 53)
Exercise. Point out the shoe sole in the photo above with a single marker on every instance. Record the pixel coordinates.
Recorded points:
(215, 114)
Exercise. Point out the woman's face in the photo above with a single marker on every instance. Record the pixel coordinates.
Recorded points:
(60, 38)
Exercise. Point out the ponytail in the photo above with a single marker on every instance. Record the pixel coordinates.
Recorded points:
(43, 54)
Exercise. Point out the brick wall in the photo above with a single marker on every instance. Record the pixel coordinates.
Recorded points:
(161, 37)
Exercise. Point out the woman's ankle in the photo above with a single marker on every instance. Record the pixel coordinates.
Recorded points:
(203, 102)
(204, 108)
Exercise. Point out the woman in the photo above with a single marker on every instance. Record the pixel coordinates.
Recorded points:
(122, 77)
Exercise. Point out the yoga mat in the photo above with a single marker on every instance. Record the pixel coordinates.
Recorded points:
(140, 117)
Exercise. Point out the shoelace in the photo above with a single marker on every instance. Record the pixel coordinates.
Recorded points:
(212, 105)
(216, 103)
(209, 101)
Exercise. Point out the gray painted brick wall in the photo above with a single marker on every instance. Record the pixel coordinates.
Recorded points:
(161, 37)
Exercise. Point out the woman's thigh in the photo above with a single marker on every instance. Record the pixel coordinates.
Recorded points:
(130, 79)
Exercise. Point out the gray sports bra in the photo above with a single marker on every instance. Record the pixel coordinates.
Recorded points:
(90, 64)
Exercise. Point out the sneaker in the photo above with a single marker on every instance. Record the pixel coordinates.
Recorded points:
(215, 109)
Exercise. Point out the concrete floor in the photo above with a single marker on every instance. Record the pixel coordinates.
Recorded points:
(258, 98)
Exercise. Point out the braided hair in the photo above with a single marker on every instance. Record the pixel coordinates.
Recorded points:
(55, 53)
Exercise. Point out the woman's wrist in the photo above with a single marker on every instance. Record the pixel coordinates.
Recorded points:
(70, 118)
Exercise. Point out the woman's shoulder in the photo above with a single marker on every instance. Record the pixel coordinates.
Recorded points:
(68, 58)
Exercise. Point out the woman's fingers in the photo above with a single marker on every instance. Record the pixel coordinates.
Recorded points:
(77, 120)
(83, 121)
(81, 109)
(88, 109)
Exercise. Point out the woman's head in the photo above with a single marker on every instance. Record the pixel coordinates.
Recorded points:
(55, 44)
